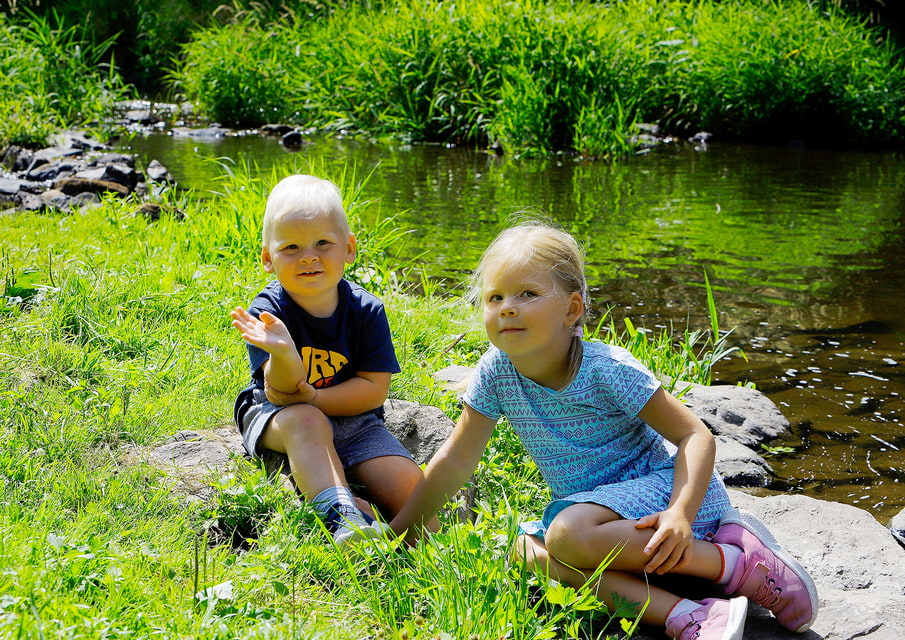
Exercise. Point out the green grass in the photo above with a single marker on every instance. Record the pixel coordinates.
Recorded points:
(541, 77)
(114, 335)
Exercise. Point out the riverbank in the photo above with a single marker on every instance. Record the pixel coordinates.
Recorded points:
(524, 78)
(111, 342)
(540, 78)
(805, 276)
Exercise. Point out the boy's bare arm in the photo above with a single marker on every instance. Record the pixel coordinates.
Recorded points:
(366, 391)
(284, 371)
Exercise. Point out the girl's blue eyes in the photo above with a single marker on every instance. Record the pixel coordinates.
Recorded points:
(523, 294)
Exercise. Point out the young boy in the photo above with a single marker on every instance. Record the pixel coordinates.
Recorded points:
(321, 358)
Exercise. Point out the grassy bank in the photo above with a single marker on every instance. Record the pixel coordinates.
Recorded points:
(534, 76)
(541, 77)
(114, 335)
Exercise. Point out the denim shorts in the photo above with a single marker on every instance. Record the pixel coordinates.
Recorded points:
(356, 438)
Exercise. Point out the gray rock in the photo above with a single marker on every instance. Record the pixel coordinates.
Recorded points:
(51, 154)
(207, 133)
(113, 157)
(10, 186)
(112, 172)
(842, 546)
(31, 202)
(50, 199)
(156, 172)
(745, 415)
(54, 170)
(420, 428)
(739, 466)
(66, 167)
(293, 139)
(76, 140)
(858, 568)
(15, 157)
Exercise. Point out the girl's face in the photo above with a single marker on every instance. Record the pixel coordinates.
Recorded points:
(525, 313)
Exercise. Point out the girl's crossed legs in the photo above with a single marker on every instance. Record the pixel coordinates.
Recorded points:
(582, 535)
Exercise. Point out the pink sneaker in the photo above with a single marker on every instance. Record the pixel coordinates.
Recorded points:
(714, 620)
(766, 574)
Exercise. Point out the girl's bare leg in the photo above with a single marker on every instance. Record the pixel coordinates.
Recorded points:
(583, 534)
(630, 586)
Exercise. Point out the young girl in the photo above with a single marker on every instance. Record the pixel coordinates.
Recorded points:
(628, 464)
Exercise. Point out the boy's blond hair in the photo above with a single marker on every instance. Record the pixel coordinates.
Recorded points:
(306, 196)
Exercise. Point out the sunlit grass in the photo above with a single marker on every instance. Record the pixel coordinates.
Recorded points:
(115, 336)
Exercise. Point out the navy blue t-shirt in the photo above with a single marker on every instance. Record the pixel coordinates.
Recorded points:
(355, 338)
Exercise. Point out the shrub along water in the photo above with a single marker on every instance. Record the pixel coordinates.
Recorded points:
(547, 76)
(52, 76)
(114, 335)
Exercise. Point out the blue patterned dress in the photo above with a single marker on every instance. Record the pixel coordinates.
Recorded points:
(587, 440)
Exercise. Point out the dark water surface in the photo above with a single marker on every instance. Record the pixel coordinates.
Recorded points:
(805, 251)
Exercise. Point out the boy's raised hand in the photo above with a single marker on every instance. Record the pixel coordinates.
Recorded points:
(267, 332)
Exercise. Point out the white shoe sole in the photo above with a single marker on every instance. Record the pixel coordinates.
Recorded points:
(735, 625)
(345, 535)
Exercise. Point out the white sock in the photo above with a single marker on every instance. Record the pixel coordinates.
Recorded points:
(730, 555)
(682, 607)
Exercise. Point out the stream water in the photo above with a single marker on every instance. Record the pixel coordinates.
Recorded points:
(805, 251)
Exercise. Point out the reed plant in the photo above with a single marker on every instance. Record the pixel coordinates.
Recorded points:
(115, 336)
(541, 77)
(52, 76)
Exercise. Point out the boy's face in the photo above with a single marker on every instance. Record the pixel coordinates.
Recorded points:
(308, 256)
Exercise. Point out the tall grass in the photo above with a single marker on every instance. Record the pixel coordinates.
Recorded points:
(542, 77)
(52, 76)
(114, 335)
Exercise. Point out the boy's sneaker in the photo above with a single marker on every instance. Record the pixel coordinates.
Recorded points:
(766, 574)
(347, 532)
(714, 620)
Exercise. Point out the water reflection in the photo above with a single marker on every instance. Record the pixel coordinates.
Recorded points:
(804, 250)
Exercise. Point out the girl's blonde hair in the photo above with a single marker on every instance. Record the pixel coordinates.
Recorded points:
(541, 244)
(307, 196)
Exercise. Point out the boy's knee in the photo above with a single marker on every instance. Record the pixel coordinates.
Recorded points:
(304, 423)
